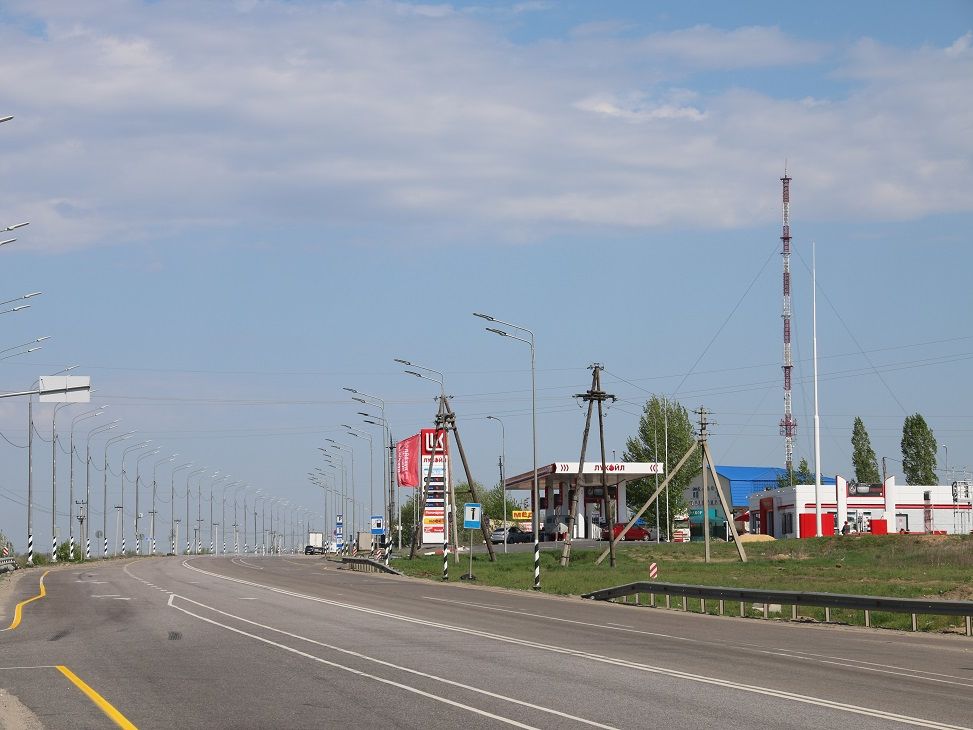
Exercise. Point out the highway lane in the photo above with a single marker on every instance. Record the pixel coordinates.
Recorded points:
(259, 642)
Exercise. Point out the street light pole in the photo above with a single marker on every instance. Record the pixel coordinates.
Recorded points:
(154, 489)
(503, 486)
(121, 506)
(388, 469)
(138, 464)
(54, 480)
(189, 476)
(535, 494)
(172, 506)
(87, 482)
(357, 433)
(79, 417)
(104, 490)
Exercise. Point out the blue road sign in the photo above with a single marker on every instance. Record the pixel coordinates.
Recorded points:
(471, 515)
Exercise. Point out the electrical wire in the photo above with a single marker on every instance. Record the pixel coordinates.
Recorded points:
(725, 321)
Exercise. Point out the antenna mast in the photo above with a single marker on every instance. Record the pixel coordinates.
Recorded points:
(788, 426)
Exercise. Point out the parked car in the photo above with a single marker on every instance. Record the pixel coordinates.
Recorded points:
(313, 550)
(514, 535)
(634, 533)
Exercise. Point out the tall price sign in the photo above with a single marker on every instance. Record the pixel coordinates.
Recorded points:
(434, 476)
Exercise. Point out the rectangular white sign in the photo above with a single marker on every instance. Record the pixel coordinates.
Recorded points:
(634, 468)
(64, 389)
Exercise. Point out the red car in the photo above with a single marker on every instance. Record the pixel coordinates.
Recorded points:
(634, 532)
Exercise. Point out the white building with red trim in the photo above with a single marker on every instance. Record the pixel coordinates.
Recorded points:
(875, 508)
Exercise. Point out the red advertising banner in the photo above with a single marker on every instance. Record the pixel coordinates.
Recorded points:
(407, 462)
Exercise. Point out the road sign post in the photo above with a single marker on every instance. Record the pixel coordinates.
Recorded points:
(472, 513)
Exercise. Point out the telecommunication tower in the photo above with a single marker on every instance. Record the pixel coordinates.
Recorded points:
(788, 426)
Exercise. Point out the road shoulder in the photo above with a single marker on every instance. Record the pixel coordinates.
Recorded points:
(14, 715)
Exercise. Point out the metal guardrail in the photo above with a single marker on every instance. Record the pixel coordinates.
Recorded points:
(794, 599)
(7, 564)
(368, 565)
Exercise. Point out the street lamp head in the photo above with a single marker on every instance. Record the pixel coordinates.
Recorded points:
(487, 317)
(403, 362)
(495, 331)
(413, 372)
(374, 423)
(360, 400)
(15, 226)
(32, 294)
(350, 390)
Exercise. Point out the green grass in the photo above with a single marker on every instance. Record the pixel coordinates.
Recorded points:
(905, 566)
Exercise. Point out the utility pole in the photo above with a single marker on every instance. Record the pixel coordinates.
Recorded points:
(592, 396)
(702, 413)
(451, 426)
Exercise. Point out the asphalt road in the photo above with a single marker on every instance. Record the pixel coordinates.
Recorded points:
(294, 642)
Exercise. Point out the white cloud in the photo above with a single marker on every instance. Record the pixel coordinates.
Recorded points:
(138, 120)
(746, 47)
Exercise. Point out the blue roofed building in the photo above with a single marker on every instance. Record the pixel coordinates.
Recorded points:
(738, 483)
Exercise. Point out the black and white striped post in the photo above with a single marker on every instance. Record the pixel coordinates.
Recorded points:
(30, 549)
(445, 555)
(87, 548)
(106, 546)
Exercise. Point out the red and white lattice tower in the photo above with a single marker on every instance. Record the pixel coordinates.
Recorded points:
(788, 426)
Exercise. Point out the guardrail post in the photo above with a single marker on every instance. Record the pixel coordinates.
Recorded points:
(668, 601)
(721, 607)
(636, 599)
(794, 612)
(702, 605)
(685, 603)
(969, 626)
(766, 610)
(868, 619)
(827, 614)
(743, 611)
(915, 623)
(652, 604)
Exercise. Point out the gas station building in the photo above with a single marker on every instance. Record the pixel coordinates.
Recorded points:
(557, 483)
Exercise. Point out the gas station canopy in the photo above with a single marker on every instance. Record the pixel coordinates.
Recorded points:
(616, 472)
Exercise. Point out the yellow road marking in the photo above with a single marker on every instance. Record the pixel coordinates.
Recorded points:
(18, 611)
(103, 704)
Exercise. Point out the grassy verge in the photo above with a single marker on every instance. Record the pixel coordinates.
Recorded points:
(906, 566)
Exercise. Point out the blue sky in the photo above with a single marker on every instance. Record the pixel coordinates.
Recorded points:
(238, 208)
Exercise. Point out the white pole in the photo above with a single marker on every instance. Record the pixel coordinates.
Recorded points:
(817, 423)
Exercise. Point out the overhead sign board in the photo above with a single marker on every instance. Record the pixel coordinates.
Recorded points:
(472, 512)
(611, 467)
(64, 389)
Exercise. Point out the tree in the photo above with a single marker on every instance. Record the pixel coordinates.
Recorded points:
(660, 419)
(802, 475)
(863, 456)
(918, 451)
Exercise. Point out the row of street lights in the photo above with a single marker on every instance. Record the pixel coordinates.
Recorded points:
(427, 373)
